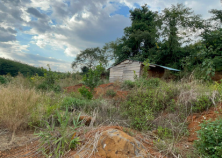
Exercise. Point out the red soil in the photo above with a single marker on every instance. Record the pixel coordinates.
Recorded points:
(101, 90)
(73, 88)
(196, 119)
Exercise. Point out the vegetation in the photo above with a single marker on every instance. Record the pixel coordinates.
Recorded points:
(210, 138)
(167, 39)
(157, 108)
(13, 68)
(62, 139)
(111, 93)
(93, 77)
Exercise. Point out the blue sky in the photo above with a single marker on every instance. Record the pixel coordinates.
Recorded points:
(41, 32)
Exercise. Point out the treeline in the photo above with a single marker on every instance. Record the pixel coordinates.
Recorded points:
(176, 37)
(14, 67)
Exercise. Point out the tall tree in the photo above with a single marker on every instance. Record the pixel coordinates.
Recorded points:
(178, 20)
(139, 39)
(90, 57)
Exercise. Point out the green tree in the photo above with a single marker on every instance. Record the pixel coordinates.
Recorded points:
(90, 57)
(179, 22)
(93, 77)
(139, 40)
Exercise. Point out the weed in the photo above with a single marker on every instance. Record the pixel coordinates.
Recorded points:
(210, 138)
(3, 80)
(85, 92)
(111, 93)
(202, 103)
(73, 103)
(56, 141)
(128, 84)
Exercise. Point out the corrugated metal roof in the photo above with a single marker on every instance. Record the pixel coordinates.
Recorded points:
(168, 68)
(151, 65)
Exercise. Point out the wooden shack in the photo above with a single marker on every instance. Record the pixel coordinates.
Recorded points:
(126, 70)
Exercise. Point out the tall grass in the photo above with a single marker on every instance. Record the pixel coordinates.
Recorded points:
(17, 105)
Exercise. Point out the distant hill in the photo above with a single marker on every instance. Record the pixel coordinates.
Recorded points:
(14, 67)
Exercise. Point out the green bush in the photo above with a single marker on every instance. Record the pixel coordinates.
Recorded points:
(3, 80)
(110, 92)
(73, 103)
(209, 143)
(47, 87)
(85, 92)
(142, 105)
(93, 77)
(201, 104)
(128, 84)
(147, 83)
(164, 132)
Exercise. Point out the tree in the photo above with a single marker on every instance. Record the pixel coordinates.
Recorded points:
(139, 39)
(85, 69)
(90, 57)
(217, 14)
(178, 22)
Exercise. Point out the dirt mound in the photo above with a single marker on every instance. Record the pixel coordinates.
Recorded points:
(196, 119)
(74, 88)
(101, 91)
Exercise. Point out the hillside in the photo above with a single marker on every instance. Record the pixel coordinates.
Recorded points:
(14, 67)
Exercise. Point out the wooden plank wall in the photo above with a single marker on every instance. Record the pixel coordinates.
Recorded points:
(125, 71)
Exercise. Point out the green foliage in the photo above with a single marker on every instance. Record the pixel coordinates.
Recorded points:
(85, 92)
(111, 93)
(209, 143)
(146, 68)
(142, 105)
(56, 141)
(3, 80)
(93, 77)
(14, 67)
(128, 84)
(73, 103)
(49, 81)
(90, 57)
(147, 83)
(164, 132)
(202, 103)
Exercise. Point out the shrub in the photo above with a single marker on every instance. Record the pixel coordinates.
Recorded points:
(210, 139)
(147, 83)
(49, 81)
(128, 84)
(85, 92)
(142, 105)
(93, 77)
(164, 132)
(202, 103)
(73, 103)
(3, 80)
(110, 92)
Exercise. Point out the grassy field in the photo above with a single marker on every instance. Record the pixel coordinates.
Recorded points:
(151, 106)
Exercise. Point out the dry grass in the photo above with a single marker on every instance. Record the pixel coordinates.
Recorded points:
(68, 82)
(16, 106)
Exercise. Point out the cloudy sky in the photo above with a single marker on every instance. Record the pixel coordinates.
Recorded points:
(41, 32)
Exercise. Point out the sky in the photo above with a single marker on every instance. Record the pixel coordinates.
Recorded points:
(41, 32)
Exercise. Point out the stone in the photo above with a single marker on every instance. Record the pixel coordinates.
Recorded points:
(114, 143)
